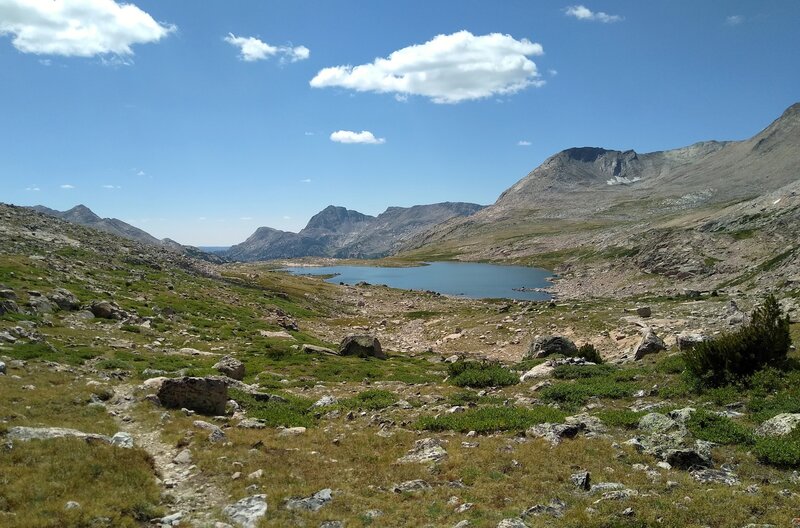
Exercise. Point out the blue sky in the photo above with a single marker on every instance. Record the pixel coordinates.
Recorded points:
(201, 121)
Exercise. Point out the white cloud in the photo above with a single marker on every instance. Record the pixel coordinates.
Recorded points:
(252, 49)
(523, 143)
(348, 136)
(552, 72)
(78, 28)
(141, 173)
(305, 180)
(446, 69)
(309, 133)
(33, 188)
(67, 186)
(287, 217)
(582, 12)
(734, 20)
(109, 186)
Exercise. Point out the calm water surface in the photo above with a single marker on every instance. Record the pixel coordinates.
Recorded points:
(477, 281)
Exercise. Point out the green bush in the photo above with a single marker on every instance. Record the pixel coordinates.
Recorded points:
(719, 429)
(290, 411)
(621, 418)
(578, 392)
(589, 353)
(370, 400)
(734, 356)
(490, 419)
(577, 372)
(480, 374)
(782, 451)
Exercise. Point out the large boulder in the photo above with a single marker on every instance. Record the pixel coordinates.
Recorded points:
(203, 395)
(231, 367)
(65, 299)
(25, 434)
(780, 425)
(426, 450)
(8, 306)
(650, 343)
(361, 346)
(689, 340)
(104, 310)
(543, 346)
(247, 513)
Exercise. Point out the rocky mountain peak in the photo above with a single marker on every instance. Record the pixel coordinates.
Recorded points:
(81, 214)
(335, 218)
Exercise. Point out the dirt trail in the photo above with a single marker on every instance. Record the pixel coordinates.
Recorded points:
(184, 490)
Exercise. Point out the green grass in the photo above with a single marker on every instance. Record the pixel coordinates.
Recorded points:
(491, 419)
(779, 451)
(37, 478)
(580, 391)
(623, 418)
(47, 352)
(567, 372)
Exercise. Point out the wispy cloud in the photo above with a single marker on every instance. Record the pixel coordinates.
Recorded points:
(32, 188)
(582, 12)
(287, 217)
(734, 20)
(309, 133)
(523, 143)
(79, 28)
(252, 49)
(305, 180)
(364, 137)
(446, 69)
(109, 186)
(552, 72)
(141, 173)
(67, 186)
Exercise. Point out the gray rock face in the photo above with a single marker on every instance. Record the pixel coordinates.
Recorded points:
(65, 299)
(203, 395)
(314, 349)
(554, 433)
(780, 425)
(687, 458)
(122, 439)
(361, 346)
(512, 523)
(104, 310)
(312, 503)
(25, 434)
(247, 512)
(231, 367)
(650, 343)
(427, 450)
(720, 476)
(582, 480)
(644, 311)
(2, 367)
(8, 306)
(543, 346)
(555, 507)
(656, 423)
(689, 340)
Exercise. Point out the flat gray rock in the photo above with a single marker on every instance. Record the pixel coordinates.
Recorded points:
(247, 512)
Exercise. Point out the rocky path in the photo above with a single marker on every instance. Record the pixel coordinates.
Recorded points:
(186, 495)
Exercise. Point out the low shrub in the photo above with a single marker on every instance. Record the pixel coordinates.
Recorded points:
(782, 451)
(490, 419)
(589, 353)
(718, 429)
(481, 374)
(370, 400)
(291, 412)
(577, 372)
(734, 356)
(621, 418)
(579, 391)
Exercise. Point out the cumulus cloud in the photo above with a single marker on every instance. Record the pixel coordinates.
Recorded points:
(523, 143)
(252, 49)
(67, 186)
(348, 136)
(447, 69)
(78, 28)
(582, 12)
(734, 20)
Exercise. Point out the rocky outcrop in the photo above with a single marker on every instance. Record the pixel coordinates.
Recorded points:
(203, 395)
(248, 512)
(425, 451)
(650, 343)
(780, 425)
(231, 367)
(362, 346)
(543, 346)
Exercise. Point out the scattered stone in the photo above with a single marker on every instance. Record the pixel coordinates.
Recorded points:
(650, 343)
(215, 434)
(361, 346)
(104, 310)
(720, 476)
(71, 505)
(556, 508)
(644, 311)
(2, 367)
(582, 480)
(292, 431)
(543, 346)
(656, 423)
(24, 434)
(247, 512)
(203, 395)
(780, 425)
(554, 433)
(688, 340)
(687, 458)
(325, 401)
(426, 450)
(512, 523)
(282, 334)
(123, 440)
(251, 423)
(411, 486)
(64, 299)
(314, 349)
(256, 475)
(312, 503)
(605, 487)
(183, 458)
(331, 524)
(231, 367)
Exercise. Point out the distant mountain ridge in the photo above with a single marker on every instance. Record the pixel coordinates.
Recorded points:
(339, 232)
(82, 215)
